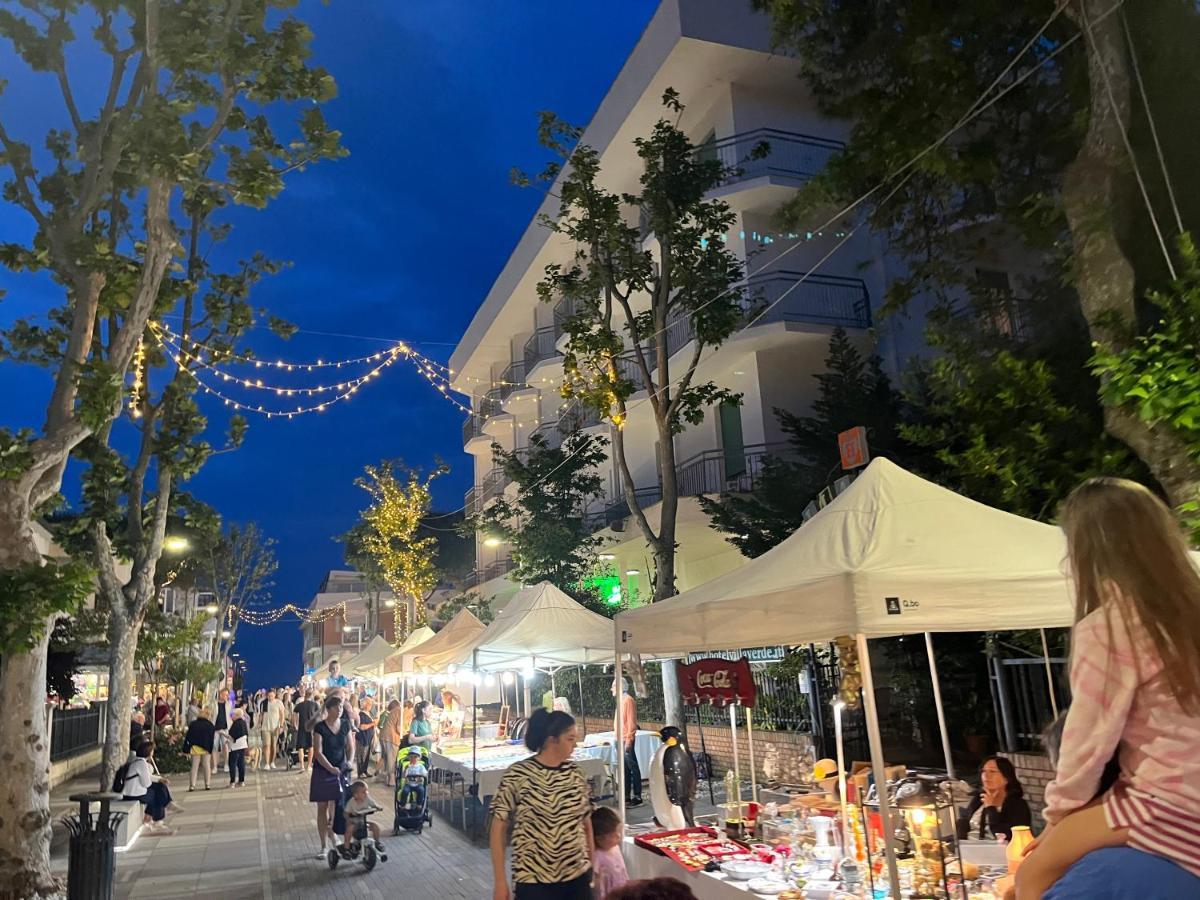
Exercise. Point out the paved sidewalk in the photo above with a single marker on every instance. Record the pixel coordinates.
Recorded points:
(261, 841)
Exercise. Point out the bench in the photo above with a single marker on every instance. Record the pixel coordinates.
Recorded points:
(127, 830)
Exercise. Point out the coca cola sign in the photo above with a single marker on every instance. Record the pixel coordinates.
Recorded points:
(716, 681)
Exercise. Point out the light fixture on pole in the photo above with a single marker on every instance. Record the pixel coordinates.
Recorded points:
(492, 541)
(176, 543)
(211, 609)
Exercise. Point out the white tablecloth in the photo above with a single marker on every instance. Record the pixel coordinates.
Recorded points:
(488, 778)
(645, 745)
(641, 863)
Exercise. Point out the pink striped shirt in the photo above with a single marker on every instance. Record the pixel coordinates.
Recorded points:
(1121, 701)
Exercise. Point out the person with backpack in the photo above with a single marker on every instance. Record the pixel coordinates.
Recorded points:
(138, 780)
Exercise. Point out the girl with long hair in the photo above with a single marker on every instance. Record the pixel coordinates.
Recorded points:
(1135, 685)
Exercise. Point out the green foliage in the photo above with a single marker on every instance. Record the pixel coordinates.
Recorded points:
(852, 391)
(1158, 374)
(545, 528)
(31, 594)
(15, 457)
(473, 600)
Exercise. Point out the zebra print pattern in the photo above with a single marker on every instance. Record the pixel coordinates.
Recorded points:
(545, 808)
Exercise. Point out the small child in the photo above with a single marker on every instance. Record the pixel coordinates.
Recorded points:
(607, 831)
(359, 804)
(412, 795)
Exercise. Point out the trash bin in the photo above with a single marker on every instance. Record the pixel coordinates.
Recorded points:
(92, 862)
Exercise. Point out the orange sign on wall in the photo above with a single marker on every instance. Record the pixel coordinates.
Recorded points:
(852, 445)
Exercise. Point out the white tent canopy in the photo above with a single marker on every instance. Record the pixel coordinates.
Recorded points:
(542, 627)
(369, 663)
(892, 554)
(441, 650)
(401, 659)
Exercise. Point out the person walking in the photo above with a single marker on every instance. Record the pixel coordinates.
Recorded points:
(629, 727)
(224, 718)
(272, 725)
(198, 744)
(333, 746)
(304, 717)
(390, 737)
(546, 801)
(239, 742)
(365, 741)
(1135, 688)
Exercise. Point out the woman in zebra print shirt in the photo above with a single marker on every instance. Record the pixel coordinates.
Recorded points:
(546, 801)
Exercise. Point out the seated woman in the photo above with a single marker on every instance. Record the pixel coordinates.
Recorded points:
(997, 806)
(144, 784)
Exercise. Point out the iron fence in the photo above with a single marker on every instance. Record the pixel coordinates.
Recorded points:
(771, 151)
(1021, 696)
(74, 730)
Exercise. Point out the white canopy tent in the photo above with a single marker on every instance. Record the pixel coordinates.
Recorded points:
(400, 660)
(440, 651)
(893, 554)
(369, 663)
(540, 627)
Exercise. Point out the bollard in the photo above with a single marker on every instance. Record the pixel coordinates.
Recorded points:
(92, 862)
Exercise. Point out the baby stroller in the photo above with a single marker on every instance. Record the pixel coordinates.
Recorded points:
(411, 814)
(285, 745)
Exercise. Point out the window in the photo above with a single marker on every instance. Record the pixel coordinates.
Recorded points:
(999, 311)
(171, 601)
(733, 445)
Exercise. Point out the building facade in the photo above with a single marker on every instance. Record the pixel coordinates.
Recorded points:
(342, 635)
(738, 95)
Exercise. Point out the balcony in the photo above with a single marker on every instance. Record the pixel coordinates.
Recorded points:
(512, 380)
(784, 296)
(496, 569)
(767, 152)
(710, 472)
(541, 347)
(563, 310)
(493, 485)
(470, 502)
(473, 428)
(550, 433)
(577, 417)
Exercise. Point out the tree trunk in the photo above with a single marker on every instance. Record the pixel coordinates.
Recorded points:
(122, 648)
(24, 748)
(1104, 276)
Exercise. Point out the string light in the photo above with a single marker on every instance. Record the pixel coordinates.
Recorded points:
(250, 359)
(271, 616)
(139, 379)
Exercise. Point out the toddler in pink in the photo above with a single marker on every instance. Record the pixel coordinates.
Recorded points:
(609, 865)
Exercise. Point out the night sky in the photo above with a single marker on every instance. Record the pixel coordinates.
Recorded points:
(401, 240)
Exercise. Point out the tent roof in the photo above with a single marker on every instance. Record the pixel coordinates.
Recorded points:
(543, 626)
(892, 554)
(441, 650)
(400, 659)
(370, 660)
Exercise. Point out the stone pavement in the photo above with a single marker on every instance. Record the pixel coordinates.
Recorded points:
(261, 841)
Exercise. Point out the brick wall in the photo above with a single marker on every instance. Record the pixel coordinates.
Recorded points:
(777, 749)
(1035, 772)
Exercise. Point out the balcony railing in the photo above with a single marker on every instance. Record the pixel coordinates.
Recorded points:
(472, 428)
(496, 569)
(493, 485)
(619, 508)
(550, 433)
(578, 416)
(563, 310)
(511, 379)
(540, 347)
(785, 296)
(770, 151)
(470, 501)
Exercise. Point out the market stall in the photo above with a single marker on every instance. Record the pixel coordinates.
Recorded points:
(893, 554)
(400, 660)
(369, 662)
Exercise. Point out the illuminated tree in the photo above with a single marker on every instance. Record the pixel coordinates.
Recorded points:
(392, 535)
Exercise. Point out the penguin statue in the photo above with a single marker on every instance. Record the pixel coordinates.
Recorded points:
(673, 781)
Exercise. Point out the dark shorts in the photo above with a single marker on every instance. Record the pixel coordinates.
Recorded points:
(303, 739)
(578, 889)
(325, 786)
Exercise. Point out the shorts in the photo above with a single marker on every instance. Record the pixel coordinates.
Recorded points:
(198, 751)
(576, 889)
(303, 739)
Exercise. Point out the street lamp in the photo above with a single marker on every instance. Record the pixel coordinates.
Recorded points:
(349, 628)
(226, 633)
(390, 604)
(492, 541)
(176, 543)
(211, 609)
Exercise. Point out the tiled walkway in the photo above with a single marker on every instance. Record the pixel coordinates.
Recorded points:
(261, 841)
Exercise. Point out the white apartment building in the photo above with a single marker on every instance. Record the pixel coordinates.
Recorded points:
(738, 93)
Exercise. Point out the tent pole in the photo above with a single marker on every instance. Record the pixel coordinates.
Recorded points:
(553, 689)
(619, 680)
(937, 702)
(707, 760)
(1049, 673)
(838, 707)
(474, 738)
(750, 745)
(582, 713)
(737, 765)
(877, 765)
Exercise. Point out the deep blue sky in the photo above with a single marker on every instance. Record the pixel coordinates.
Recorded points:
(401, 240)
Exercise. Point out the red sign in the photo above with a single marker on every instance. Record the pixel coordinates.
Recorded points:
(717, 681)
(852, 445)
